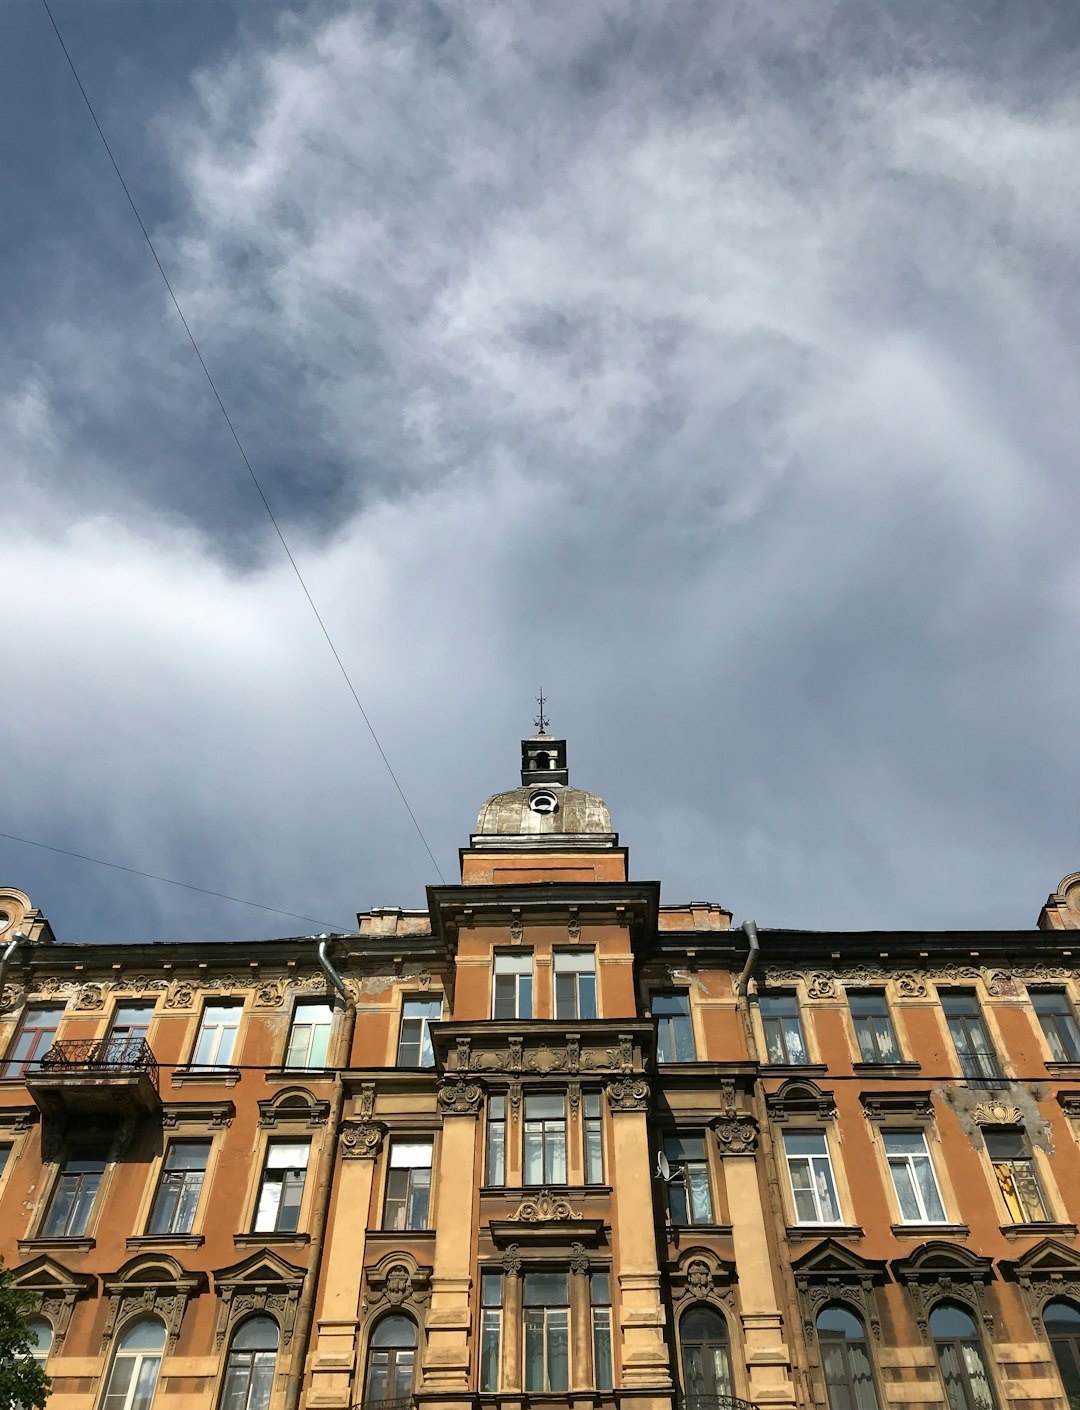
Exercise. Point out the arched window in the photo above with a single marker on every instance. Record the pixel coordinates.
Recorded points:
(706, 1359)
(391, 1360)
(134, 1371)
(249, 1371)
(41, 1335)
(1062, 1323)
(845, 1360)
(960, 1357)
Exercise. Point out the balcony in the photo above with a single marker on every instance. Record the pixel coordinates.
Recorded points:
(401, 1402)
(713, 1402)
(107, 1077)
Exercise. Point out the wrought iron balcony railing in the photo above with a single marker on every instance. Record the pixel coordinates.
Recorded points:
(981, 1069)
(101, 1057)
(714, 1402)
(401, 1402)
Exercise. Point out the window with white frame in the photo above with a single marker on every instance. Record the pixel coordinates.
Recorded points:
(545, 1139)
(217, 1035)
(414, 1039)
(813, 1188)
(512, 989)
(873, 1026)
(309, 1034)
(282, 1188)
(495, 1173)
(546, 1304)
(575, 984)
(408, 1185)
(491, 1298)
(133, 1374)
(689, 1195)
(593, 1134)
(179, 1188)
(674, 1029)
(784, 1041)
(600, 1298)
(913, 1177)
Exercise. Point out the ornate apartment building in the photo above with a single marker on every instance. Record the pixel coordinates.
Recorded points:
(547, 1143)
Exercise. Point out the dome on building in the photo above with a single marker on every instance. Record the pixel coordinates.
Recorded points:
(544, 805)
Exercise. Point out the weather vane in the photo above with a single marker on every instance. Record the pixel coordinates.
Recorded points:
(541, 722)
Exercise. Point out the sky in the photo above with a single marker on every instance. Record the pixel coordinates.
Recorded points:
(711, 365)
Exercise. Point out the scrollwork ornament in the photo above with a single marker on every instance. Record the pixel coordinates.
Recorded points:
(997, 1114)
(579, 1258)
(269, 995)
(628, 1094)
(90, 997)
(699, 1279)
(180, 996)
(460, 1098)
(511, 1260)
(541, 1208)
(361, 1140)
(736, 1133)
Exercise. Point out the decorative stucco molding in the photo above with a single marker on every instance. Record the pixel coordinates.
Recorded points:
(54, 1291)
(543, 1059)
(937, 1271)
(398, 1281)
(736, 1133)
(293, 1106)
(150, 1283)
(628, 1094)
(997, 1114)
(901, 1105)
(800, 1096)
(542, 1208)
(1046, 1273)
(831, 1272)
(361, 1140)
(460, 1098)
(701, 1276)
(262, 1283)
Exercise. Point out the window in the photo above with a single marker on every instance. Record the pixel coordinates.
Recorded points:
(575, 984)
(491, 1294)
(75, 1192)
(128, 1032)
(845, 1360)
(784, 1040)
(5, 1155)
(706, 1358)
(513, 986)
(545, 1139)
(309, 1035)
(913, 1177)
(1062, 1323)
(960, 1359)
(600, 1298)
(674, 1032)
(249, 1371)
(36, 1035)
(547, 1331)
(414, 1040)
(217, 1035)
(593, 1131)
(689, 1199)
(496, 1140)
(391, 1360)
(1058, 1023)
(408, 1185)
(873, 1028)
(810, 1171)
(134, 1370)
(1014, 1170)
(179, 1188)
(282, 1187)
(978, 1061)
(41, 1337)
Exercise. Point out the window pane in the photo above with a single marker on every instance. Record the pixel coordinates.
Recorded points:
(700, 1199)
(545, 1289)
(594, 1154)
(489, 1350)
(413, 1154)
(534, 1349)
(558, 1349)
(905, 1192)
(602, 1348)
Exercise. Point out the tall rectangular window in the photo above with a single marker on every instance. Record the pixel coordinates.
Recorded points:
(128, 1032)
(75, 1192)
(1014, 1170)
(1058, 1023)
(36, 1035)
(978, 1061)
(545, 1139)
(575, 984)
(674, 1031)
(217, 1035)
(873, 1027)
(513, 985)
(496, 1140)
(689, 1196)
(408, 1185)
(414, 1039)
(547, 1331)
(282, 1187)
(5, 1155)
(810, 1171)
(309, 1034)
(913, 1177)
(593, 1133)
(600, 1297)
(179, 1188)
(491, 1296)
(784, 1041)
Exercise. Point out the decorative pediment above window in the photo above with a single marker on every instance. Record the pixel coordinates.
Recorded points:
(262, 1283)
(215, 1116)
(545, 1218)
(150, 1284)
(831, 1272)
(939, 1270)
(398, 1281)
(293, 1106)
(800, 1096)
(997, 1114)
(55, 1289)
(904, 1106)
(1049, 1271)
(702, 1276)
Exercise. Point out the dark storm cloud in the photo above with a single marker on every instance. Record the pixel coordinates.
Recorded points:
(713, 365)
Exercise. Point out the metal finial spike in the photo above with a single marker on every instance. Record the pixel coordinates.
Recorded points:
(541, 722)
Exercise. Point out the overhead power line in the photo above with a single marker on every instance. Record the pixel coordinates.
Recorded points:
(239, 446)
(169, 881)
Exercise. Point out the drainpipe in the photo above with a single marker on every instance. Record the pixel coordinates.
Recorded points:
(305, 1309)
(17, 939)
(749, 929)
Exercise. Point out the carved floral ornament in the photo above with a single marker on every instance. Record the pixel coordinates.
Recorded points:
(90, 996)
(1000, 980)
(397, 1281)
(830, 1272)
(262, 1283)
(702, 1276)
(997, 1114)
(939, 1272)
(736, 1133)
(55, 1291)
(628, 1094)
(542, 1208)
(543, 1059)
(460, 1098)
(1046, 1273)
(151, 1284)
(361, 1140)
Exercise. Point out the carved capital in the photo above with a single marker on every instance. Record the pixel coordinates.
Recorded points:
(361, 1140)
(628, 1094)
(460, 1098)
(736, 1133)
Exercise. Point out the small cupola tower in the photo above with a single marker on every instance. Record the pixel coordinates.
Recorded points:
(543, 760)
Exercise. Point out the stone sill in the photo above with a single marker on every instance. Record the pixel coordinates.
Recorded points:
(677, 1232)
(269, 1239)
(298, 1074)
(821, 1231)
(1036, 1227)
(407, 1234)
(885, 1069)
(930, 1231)
(138, 1241)
(205, 1076)
(59, 1245)
(794, 1069)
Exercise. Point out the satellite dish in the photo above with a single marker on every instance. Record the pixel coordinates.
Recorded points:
(663, 1168)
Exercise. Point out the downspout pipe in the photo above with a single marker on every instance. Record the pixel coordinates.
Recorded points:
(305, 1310)
(19, 938)
(749, 929)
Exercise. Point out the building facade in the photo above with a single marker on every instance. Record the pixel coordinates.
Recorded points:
(547, 1142)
